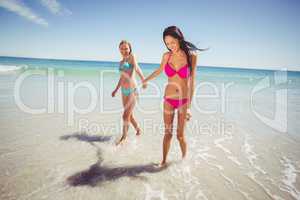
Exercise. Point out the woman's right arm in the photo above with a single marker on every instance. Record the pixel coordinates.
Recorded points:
(119, 83)
(117, 87)
(158, 70)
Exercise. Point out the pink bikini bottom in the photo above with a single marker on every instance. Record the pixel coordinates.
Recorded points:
(176, 103)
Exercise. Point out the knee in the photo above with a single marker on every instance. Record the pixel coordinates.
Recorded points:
(168, 131)
(131, 117)
(180, 136)
(126, 117)
(168, 136)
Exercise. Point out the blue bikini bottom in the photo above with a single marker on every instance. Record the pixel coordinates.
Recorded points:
(127, 91)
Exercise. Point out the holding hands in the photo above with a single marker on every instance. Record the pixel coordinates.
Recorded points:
(144, 82)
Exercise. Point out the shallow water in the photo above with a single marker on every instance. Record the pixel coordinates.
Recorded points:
(243, 139)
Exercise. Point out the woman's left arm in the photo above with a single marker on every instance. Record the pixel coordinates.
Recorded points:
(192, 79)
(137, 68)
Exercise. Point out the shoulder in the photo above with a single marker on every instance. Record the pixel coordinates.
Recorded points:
(194, 57)
(193, 54)
(166, 55)
(132, 57)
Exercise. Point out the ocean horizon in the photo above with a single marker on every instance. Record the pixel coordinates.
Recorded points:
(270, 68)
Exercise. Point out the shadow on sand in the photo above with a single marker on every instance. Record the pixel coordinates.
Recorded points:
(82, 136)
(98, 173)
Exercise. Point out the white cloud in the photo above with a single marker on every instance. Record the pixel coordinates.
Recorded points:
(21, 9)
(55, 7)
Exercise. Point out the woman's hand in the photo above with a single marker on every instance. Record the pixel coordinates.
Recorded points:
(144, 84)
(113, 94)
(188, 114)
(157, 71)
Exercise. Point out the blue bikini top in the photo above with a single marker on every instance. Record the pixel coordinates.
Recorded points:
(125, 66)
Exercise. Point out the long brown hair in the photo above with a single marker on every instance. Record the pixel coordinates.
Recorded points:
(186, 46)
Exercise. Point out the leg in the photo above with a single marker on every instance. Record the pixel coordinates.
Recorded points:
(135, 125)
(128, 103)
(168, 121)
(181, 118)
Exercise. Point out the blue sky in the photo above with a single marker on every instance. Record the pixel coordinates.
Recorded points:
(241, 33)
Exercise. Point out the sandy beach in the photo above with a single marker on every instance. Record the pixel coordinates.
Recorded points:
(231, 154)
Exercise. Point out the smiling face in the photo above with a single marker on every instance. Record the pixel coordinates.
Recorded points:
(172, 43)
(124, 49)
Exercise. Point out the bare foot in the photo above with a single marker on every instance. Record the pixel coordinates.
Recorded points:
(159, 165)
(121, 140)
(163, 164)
(138, 132)
(183, 156)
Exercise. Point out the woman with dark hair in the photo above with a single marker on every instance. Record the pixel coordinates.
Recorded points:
(179, 64)
(128, 65)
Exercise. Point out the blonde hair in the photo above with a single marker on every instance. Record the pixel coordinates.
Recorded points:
(126, 42)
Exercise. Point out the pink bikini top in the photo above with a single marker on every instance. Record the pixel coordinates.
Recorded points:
(183, 71)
